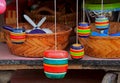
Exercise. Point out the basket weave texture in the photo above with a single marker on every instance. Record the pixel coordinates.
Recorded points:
(36, 44)
(68, 19)
(103, 47)
(2, 39)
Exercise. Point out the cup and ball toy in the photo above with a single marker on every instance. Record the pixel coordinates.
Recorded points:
(83, 29)
(55, 63)
(102, 22)
(36, 27)
(18, 36)
(77, 51)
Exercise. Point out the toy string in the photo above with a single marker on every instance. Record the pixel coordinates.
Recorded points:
(83, 10)
(17, 12)
(101, 7)
(76, 21)
(55, 26)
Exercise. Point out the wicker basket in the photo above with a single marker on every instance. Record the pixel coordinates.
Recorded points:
(103, 47)
(2, 38)
(36, 44)
(68, 19)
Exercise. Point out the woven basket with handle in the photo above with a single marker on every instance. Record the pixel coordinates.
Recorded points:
(68, 19)
(103, 47)
(36, 44)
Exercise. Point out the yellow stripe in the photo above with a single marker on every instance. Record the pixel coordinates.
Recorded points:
(12, 33)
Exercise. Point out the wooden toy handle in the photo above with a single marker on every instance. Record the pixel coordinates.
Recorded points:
(42, 9)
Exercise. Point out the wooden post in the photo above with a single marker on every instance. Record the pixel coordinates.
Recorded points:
(2, 22)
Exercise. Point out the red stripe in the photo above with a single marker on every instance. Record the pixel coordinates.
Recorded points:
(55, 69)
(73, 50)
(84, 34)
(56, 54)
(77, 57)
(17, 37)
(79, 27)
(101, 22)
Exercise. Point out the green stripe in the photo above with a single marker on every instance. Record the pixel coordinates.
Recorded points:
(83, 31)
(106, 6)
(77, 54)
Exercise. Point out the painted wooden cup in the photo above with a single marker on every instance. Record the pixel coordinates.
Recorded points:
(18, 36)
(77, 51)
(83, 29)
(102, 22)
(55, 63)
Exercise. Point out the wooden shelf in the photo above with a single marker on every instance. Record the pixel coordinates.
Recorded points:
(12, 62)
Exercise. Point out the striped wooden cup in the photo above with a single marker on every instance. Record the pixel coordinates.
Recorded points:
(55, 63)
(77, 51)
(18, 36)
(83, 29)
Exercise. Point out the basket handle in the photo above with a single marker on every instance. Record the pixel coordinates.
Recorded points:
(46, 10)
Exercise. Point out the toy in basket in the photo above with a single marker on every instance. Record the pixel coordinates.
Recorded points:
(37, 28)
(36, 44)
(104, 39)
(103, 46)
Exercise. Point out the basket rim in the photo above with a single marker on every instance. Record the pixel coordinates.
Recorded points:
(104, 37)
(48, 34)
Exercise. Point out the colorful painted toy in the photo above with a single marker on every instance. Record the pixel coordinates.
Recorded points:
(102, 22)
(55, 63)
(77, 51)
(18, 36)
(83, 29)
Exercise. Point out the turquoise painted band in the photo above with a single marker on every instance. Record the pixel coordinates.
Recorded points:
(107, 26)
(55, 75)
(55, 61)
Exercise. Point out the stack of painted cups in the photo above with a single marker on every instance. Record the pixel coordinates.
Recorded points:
(18, 36)
(77, 51)
(102, 22)
(55, 63)
(83, 29)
